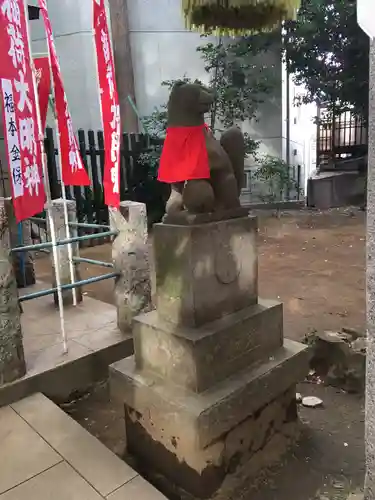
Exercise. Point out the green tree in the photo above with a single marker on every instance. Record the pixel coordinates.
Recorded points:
(328, 52)
(241, 76)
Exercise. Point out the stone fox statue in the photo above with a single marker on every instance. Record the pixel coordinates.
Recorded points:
(205, 174)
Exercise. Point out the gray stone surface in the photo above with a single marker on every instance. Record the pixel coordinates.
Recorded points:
(23, 263)
(17, 465)
(88, 456)
(12, 359)
(370, 277)
(339, 358)
(131, 260)
(257, 442)
(204, 272)
(57, 211)
(185, 218)
(199, 419)
(94, 342)
(199, 358)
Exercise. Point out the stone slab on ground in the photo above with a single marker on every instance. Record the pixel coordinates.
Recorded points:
(46, 455)
(206, 271)
(199, 358)
(94, 342)
(206, 416)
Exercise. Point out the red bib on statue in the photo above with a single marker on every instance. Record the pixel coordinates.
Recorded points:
(184, 156)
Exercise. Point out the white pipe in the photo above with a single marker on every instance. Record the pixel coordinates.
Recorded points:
(48, 194)
(63, 194)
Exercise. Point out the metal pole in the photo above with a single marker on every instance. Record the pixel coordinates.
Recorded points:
(48, 194)
(370, 292)
(63, 193)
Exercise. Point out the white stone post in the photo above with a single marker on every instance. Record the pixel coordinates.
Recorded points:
(57, 212)
(130, 255)
(12, 360)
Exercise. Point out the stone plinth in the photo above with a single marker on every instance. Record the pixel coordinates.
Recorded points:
(131, 260)
(209, 395)
(197, 359)
(195, 439)
(206, 271)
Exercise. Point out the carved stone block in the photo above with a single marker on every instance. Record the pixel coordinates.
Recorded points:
(205, 271)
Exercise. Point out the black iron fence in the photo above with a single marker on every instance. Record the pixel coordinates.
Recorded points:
(137, 179)
(340, 137)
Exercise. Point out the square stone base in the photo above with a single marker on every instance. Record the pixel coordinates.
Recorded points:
(204, 272)
(199, 442)
(198, 358)
(218, 470)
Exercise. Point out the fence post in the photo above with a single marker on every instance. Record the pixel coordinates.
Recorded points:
(57, 213)
(131, 260)
(23, 263)
(12, 359)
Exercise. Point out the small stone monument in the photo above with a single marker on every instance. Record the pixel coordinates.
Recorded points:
(210, 393)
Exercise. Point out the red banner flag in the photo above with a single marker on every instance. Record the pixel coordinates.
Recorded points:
(43, 82)
(21, 127)
(73, 170)
(109, 104)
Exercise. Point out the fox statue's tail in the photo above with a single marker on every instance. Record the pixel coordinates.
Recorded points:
(233, 142)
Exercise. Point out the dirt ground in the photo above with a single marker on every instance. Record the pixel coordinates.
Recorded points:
(327, 464)
(314, 263)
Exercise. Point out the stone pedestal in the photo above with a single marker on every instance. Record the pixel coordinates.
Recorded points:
(210, 392)
(206, 271)
(12, 360)
(23, 263)
(57, 211)
(131, 260)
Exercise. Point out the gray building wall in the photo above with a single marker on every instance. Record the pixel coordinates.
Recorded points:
(72, 27)
(161, 50)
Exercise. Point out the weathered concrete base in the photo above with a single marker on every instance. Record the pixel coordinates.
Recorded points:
(197, 358)
(242, 454)
(200, 441)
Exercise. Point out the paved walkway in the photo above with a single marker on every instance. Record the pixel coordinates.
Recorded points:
(45, 455)
(94, 342)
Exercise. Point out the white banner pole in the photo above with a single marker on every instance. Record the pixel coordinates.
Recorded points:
(48, 194)
(63, 193)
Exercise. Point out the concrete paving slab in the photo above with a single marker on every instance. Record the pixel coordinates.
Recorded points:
(137, 489)
(23, 453)
(90, 458)
(102, 338)
(54, 356)
(58, 483)
(94, 342)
